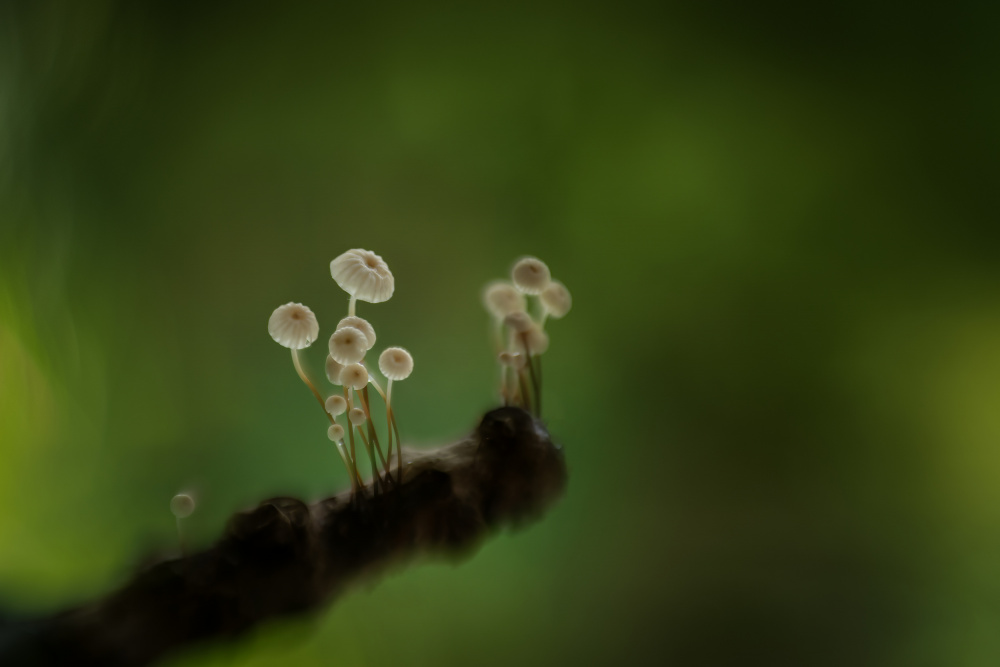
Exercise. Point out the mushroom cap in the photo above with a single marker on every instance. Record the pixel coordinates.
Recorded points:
(354, 376)
(293, 325)
(364, 275)
(361, 324)
(519, 321)
(357, 416)
(530, 275)
(532, 341)
(513, 359)
(395, 363)
(333, 370)
(335, 432)
(348, 345)
(556, 299)
(501, 299)
(182, 505)
(336, 405)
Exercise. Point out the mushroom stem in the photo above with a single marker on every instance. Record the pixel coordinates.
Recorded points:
(535, 383)
(399, 448)
(351, 306)
(312, 387)
(350, 433)
(376, 478)
(372, 435)
(388, 425)
(180, 537)
(350, 473)
(525, 395)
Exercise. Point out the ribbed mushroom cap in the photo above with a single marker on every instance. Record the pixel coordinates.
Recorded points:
(336, 405)
(364, 275)
(519, 321)
(395, 363)
(362, 325)
(354, 376)
(531, 275)
(348, 345)
(556, 299)
(293, 325)
(357, 416)
(501, 299)
(333, 370)
(335, 432)
(182, 505)
(534, 339)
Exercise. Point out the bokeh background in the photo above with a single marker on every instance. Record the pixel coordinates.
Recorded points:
(779, 388)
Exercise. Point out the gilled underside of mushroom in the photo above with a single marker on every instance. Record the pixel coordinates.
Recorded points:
(286, 557)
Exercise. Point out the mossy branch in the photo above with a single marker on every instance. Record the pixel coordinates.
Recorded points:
(285, 557)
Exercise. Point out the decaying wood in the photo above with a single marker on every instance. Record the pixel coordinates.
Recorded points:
(285, 557)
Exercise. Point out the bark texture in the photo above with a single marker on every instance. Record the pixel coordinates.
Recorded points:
(287, 557)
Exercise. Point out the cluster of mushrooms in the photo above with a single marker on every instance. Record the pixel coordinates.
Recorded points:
(520, 354)
(365, 277)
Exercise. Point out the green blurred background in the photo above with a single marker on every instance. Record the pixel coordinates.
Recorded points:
(779, 388)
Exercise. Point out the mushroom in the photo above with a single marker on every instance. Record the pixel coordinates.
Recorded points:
(348, 345)
(336, 405)
(396, 364)
(362, 325)
(364, 275)
(531, 275)
(556, 300)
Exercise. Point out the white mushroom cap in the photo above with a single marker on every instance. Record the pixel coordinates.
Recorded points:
(537, 341)
(395, 363)
(364, 275)
(362, 325)
(335, 432)
(182, 505)
(501, 299)
(513, 359)
(336, 405)
(348, 345)
(519, 321)
(293, 325)
(357, 416)
(333, 370)
(354, 376)
(531, 275)
(556, 299)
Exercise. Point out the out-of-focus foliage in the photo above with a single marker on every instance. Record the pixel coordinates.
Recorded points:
(779, 387)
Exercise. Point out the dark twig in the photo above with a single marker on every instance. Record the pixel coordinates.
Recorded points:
(285, 557)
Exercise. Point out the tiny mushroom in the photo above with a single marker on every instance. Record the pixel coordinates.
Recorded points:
(531, 275)
(336, 405)
(348, 345)
(364, 275)
(501, 299)
(355, 376)
(293, 326)
(362, 325)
